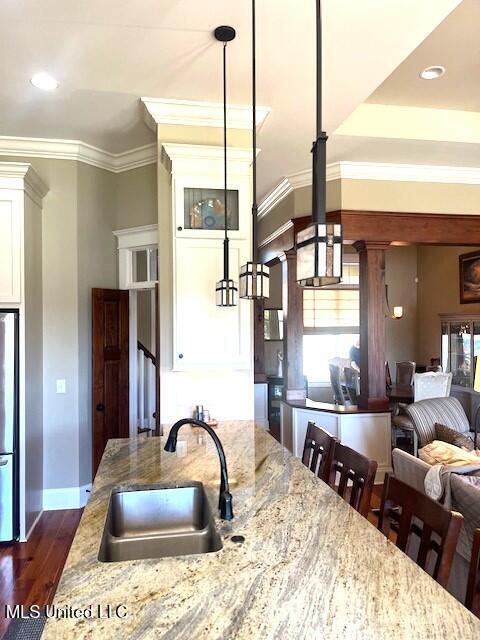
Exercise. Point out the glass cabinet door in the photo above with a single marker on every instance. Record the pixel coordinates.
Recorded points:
(460, 353)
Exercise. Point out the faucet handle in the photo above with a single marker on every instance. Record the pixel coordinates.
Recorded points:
(226, 507)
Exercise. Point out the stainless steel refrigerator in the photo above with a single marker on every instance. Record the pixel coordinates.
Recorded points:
(8, 425)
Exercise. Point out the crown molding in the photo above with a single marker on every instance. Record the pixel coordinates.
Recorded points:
(22, 176)
(58, 149)
(278, 232)
(370, 171)
(200, 114)
(206, 152)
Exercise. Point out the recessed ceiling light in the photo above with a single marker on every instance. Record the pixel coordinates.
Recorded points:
(431, 73)
(44, 81)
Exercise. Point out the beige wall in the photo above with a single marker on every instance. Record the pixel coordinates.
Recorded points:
(97, 267)
(438, 292)
(298, 203)
(144, 318)
(416, 197)
(136, 197)
(400, 274)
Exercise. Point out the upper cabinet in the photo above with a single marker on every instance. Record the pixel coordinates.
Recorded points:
(21, 193)
(198, 191)
(204, 335)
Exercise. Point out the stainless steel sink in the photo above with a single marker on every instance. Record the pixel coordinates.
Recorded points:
(157, 521)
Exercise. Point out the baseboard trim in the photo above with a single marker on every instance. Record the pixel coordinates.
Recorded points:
(66, 498)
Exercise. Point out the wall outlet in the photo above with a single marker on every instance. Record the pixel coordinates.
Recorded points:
(61, 386)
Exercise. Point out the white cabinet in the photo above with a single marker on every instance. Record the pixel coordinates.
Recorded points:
(204, 334)
(11, 214)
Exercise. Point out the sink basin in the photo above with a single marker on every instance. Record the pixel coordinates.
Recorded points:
(157, 521)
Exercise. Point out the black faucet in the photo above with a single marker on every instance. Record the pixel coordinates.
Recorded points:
(225, 498)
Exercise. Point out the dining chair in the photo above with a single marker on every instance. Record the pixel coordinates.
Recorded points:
(415, 513)
(355, 474)
(472, 600)
(431, 385)
(318, 451)
(404, 372)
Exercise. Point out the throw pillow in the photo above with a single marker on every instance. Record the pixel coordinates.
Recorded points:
(452, 436)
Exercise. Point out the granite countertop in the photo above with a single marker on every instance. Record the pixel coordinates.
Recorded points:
(310, 566)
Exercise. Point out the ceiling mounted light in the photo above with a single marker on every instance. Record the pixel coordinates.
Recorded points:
(44, 81)
(226, 289)
(319, 246)
(254, 276)
(431, 73)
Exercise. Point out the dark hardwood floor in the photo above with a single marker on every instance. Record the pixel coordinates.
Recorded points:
(30, 571)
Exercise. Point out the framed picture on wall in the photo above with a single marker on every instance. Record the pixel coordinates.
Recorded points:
(469, 266)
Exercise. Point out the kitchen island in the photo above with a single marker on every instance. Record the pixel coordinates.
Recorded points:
(310, 566)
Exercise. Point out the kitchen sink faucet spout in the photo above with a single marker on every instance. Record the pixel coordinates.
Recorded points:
(225, 497)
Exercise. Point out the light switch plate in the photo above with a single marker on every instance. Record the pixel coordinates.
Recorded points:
(61, 386)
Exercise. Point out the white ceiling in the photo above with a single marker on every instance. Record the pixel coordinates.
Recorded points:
(455, 45)
(108, 53)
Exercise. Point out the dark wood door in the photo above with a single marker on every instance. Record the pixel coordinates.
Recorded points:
(110, 405)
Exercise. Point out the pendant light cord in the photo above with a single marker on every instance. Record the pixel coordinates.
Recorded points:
(319, 146)
(254, 140)
(225, 242)
(319, 69)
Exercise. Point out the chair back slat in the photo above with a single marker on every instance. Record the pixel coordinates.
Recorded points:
(438, 530)
(318, 451)
(472, 600)
(356, 475)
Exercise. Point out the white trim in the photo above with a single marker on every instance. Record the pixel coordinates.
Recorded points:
(80, 151)
(278, 232)
(206, 152)
(22, 176)
(66, 498)
(137, 236)
(370, 171)
(200, 114)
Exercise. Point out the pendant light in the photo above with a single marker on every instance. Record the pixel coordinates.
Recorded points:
(319, 246)
(254, 276)
(226, 289)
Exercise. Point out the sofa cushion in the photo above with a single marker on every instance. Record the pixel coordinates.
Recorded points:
(425, 413)
(452, 436)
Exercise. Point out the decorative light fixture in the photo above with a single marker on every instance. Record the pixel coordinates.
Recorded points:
(254, 276)
(226, 289)
(397, 309)
(44, 81)
(319, 246)
(432, 73)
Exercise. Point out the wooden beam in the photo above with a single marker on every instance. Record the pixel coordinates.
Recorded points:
(292, 302)
(372, 325)
(410, 228)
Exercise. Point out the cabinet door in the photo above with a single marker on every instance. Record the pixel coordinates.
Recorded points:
(11, 206)
(206, 335)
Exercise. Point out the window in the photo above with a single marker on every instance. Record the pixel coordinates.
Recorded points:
(331, 319)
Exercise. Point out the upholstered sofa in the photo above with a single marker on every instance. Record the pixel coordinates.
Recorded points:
(424, 414)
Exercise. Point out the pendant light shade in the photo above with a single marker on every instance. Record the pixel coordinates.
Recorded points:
(319, 246)
(254, 276)
(226, 291)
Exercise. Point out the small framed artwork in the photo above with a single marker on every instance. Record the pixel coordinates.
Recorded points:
(205, 209)
(469, 266)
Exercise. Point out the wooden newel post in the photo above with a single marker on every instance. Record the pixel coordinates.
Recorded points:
(372, 325)
(292, 302)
